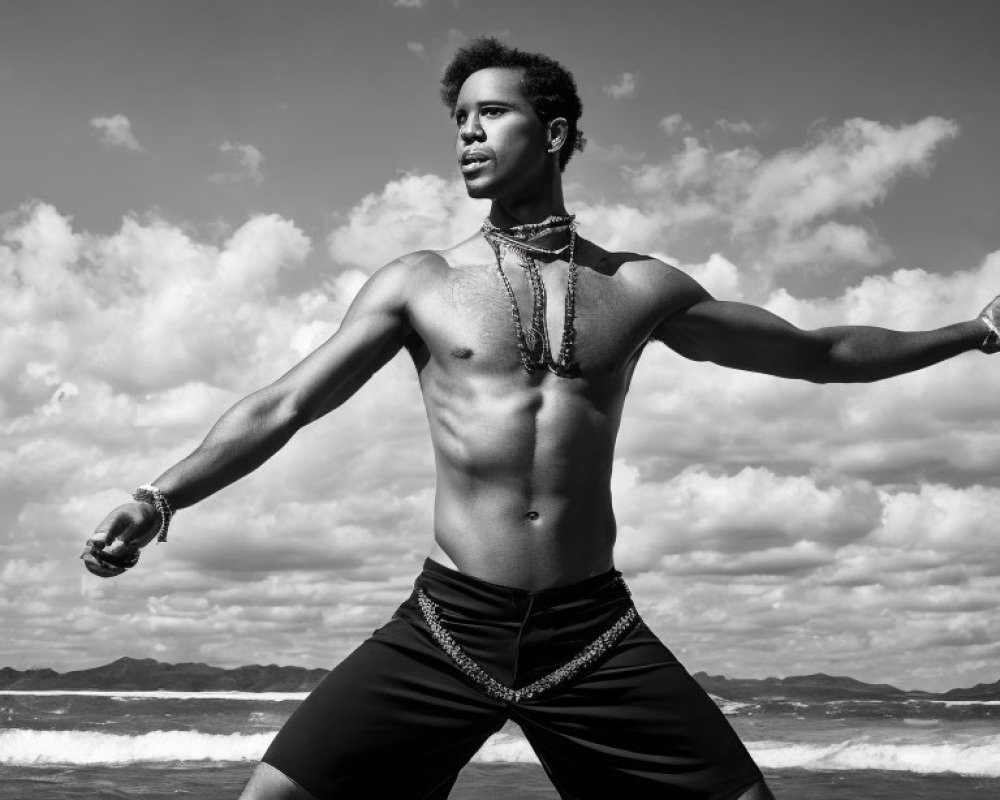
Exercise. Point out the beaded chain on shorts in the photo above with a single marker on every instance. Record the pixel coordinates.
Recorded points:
(491, 685)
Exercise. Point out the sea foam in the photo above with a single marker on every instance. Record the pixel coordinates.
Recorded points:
(979, 757)
(21, 747)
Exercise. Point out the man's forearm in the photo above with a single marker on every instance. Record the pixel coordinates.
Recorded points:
(244, 438)
(860, 354)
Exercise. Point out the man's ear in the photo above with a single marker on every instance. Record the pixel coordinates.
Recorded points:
(557, 132)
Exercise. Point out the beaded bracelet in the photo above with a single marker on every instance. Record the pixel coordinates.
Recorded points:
(991, 344)
(147, 493)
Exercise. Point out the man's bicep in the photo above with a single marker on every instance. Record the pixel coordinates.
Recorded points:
(371, 333)
(680, 293)
(745, 337)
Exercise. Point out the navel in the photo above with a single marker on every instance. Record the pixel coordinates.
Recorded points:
(462, 352)
(531, 515)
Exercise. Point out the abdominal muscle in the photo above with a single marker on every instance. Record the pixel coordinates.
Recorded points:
(523, 478)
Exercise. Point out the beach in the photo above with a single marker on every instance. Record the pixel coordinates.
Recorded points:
(60, 744)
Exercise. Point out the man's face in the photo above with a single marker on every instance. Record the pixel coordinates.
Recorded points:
(501, 143)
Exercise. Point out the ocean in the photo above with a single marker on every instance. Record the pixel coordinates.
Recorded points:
(88, 744)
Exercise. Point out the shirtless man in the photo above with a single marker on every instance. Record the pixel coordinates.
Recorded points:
(524, 338)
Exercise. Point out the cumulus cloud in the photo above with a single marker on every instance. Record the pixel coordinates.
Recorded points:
(117, 352)
(716, 524)
(411, 213)
(782, 210)
(621, 226)
(245, 164)
(623, 87)
(116, 131)
(828, 243)
(812, 574)
(851, 167)
(847, 168)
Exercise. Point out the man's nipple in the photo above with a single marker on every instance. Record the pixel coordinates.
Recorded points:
(462, 352)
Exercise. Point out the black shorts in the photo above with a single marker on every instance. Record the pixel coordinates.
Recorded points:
(399, 718)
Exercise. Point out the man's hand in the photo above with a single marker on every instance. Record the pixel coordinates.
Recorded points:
(116, 542)
(991, 337)
(992, 311)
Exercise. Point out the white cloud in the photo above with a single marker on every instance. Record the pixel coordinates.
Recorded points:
(101, 304)
(718, 275)
(246, 163)
(614, 152)
(741, 126)
(849, 168)
(828, 243)
(409, 3)
(116, 131)
(674, 123)
(620, 226)
(694, 520)
(417, 48)
(415, 212)
(780, 209)
(117, 353)
(624, 86)
(943, 519)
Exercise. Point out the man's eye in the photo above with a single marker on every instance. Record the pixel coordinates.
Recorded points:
(492, 112)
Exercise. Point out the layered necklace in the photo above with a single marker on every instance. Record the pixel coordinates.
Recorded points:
(533, 345)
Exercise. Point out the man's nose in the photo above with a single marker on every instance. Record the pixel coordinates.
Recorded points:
(471, 130)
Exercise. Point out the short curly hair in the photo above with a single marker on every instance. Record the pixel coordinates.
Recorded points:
(546, 84)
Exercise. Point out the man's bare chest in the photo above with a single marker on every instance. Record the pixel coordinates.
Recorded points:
(471, 314)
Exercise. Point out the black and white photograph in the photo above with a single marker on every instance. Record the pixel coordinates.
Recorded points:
(426, 399)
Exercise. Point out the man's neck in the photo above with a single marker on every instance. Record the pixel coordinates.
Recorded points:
(537, 207)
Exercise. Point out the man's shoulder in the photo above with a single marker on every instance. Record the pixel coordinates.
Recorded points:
(410, 270)
(417, 262)
(423, 263)
(648, 270)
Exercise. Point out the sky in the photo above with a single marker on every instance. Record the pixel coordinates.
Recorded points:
(193, 192)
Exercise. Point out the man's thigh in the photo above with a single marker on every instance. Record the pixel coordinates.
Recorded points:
(638, 726)
(394, 719)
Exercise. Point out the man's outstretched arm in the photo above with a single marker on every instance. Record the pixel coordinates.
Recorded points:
(750, 338)
(253, 430)
(260, 424)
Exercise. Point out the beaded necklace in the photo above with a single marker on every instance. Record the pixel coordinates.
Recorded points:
(533, 345)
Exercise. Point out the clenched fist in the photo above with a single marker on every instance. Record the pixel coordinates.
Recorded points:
(116, 542)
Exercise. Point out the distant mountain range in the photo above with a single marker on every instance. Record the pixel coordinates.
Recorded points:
(147, 674)
(821, 687)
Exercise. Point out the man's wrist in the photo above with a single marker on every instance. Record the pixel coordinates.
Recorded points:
(991, 342)
(147, 493)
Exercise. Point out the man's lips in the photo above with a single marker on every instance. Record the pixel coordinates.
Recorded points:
(470, 167)
(474, 158)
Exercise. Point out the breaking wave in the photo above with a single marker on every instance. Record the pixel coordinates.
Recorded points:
(979, 758)
(22, 747)
(19, 747)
